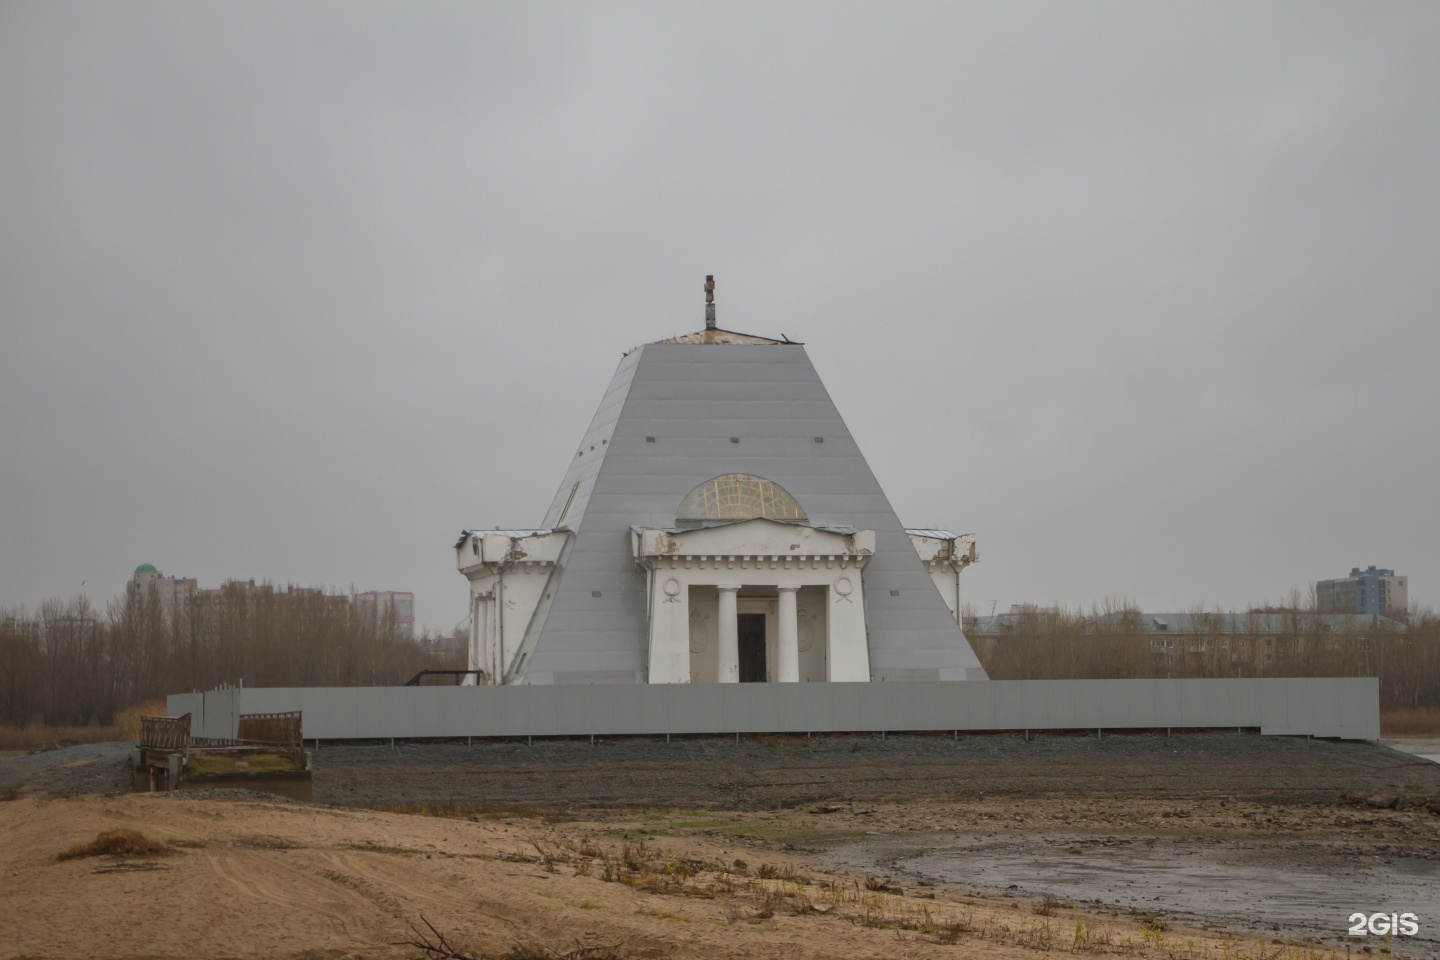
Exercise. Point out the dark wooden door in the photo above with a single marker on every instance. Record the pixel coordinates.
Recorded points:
(752, 647)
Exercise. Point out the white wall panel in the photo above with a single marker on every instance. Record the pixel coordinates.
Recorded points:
(1347, 707)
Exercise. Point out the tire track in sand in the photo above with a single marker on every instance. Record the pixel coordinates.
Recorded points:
(252, 876)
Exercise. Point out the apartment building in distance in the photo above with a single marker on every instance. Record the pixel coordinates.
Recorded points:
(1370, 590)
(173, 592)
(392, 606)
(184, 594)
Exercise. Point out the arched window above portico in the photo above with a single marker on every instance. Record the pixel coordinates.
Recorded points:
(738, 496)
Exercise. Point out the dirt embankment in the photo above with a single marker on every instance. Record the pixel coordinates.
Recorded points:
(702, 848)
(761, 773)
(765, 772)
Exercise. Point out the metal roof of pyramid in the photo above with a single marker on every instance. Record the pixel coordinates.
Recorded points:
(679, 412)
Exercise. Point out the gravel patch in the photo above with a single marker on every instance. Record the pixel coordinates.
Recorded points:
(71, 771)
(765, 772)
(783, 771)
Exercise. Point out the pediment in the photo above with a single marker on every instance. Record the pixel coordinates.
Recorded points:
(753, 538)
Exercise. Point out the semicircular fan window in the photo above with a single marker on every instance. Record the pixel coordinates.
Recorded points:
(739, 496)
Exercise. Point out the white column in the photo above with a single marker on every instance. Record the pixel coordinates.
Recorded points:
(472, 655)
(787, 660)
(482, 657)
(729, 625)
(478, 638)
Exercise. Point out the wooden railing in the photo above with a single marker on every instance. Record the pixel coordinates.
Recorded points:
(165, 733)
(281, 729)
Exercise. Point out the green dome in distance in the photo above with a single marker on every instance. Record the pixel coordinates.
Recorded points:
(146, 568)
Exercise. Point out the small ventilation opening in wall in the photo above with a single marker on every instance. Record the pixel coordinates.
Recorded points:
(819, 439)
(894, 593)
(649, 439)
(734, 439)
(594, 593)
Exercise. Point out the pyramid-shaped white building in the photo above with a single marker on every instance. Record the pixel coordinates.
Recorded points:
(718, 523)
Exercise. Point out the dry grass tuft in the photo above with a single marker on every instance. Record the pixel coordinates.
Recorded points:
(126, 727)
(127, 721)
(433, 945)
(769, 871)
(116, 843)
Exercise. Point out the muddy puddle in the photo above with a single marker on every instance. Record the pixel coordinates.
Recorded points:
(1276, 888)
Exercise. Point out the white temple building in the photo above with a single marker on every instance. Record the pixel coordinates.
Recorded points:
(718, 524)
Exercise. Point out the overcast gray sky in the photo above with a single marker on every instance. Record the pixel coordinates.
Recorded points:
(1142, 294)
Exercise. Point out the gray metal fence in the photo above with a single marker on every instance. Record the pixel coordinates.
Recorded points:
(1347, 708)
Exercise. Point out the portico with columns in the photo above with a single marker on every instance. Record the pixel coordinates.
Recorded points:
(757, 600)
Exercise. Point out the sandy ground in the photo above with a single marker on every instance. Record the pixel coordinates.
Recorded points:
(712, 876)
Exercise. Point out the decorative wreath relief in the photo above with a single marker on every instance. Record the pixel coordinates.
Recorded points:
(843, 589)
(805, 628)
(672, 590)
(698, 640)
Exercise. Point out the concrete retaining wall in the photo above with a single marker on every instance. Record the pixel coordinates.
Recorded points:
(1346, 708)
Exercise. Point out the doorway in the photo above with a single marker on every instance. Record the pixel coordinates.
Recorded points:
(751, 630)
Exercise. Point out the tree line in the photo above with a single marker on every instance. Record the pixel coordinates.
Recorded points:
(1115, 642)
(73, 665)
(70, 664)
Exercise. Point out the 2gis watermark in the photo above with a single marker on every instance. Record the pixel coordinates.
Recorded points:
(1383, 924)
